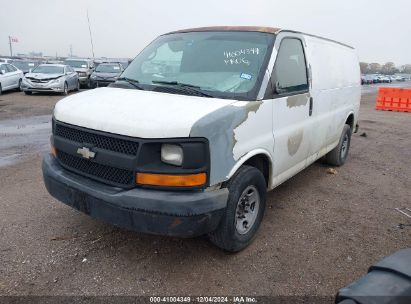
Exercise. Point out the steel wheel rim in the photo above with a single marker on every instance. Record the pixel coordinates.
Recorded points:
(247, 209)
(344, 147)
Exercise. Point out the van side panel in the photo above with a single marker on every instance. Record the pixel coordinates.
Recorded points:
(335, 89)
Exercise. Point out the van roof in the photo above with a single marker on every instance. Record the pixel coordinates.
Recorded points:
(261, 29)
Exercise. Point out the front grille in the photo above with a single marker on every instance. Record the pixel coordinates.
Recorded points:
(104, 173)
(39, 80)
(100, 141)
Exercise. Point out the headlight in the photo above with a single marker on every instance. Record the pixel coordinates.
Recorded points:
(93, 76)
(172, 154)
(58, 80)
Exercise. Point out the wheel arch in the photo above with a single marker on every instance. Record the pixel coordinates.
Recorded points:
(350, 120)
(259, 159)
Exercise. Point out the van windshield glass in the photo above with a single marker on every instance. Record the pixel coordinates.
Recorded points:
(226, 64)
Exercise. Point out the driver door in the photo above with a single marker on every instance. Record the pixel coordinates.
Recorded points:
(292, 108)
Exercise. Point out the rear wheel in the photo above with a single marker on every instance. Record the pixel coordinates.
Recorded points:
(244, 211)
(338, 156)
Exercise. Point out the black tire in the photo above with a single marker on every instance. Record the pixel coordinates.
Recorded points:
(1, 90)
(19, 87)
(65, 92)
(227, 236)
(28, 92)
(88, 84)
(338, 156)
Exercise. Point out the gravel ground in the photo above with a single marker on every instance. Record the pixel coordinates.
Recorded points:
(320, 232)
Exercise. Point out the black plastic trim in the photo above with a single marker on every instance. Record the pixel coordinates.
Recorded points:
(173, 213)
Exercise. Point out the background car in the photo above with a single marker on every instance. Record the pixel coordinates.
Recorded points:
(105, 74)
(10, 77)
(369, 79)
(25, 65)
(84, 68)
(399, 78)
(51, 78)
(5, 60)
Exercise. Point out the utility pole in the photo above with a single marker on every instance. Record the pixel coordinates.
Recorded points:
(11, 48)
(91, 37)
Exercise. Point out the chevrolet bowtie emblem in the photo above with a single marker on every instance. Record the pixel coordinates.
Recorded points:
(86, 153)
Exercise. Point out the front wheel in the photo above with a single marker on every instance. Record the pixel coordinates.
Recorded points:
(65, 89)
(338, 156)
(244, 211)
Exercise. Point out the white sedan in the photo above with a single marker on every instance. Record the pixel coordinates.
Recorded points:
(10, 77)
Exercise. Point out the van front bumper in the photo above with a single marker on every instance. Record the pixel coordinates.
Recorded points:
(172, 213)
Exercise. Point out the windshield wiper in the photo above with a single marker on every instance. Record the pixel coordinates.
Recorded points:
(133, 82)
(184, 87)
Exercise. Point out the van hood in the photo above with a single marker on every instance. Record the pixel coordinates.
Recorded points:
(136, 113)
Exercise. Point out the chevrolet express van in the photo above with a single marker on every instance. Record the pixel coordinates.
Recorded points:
(200, 126)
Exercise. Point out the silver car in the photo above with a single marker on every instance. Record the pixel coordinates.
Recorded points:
(10, 77)
(57, 78)
(84, 68)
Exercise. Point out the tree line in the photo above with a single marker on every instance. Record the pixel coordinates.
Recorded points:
(389, 68)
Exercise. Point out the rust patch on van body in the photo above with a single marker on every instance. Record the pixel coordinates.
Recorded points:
(294, 142)
(297, 101)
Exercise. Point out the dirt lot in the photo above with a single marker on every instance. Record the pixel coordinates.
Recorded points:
(320, 231)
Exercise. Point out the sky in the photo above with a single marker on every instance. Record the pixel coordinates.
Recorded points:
(379, 30)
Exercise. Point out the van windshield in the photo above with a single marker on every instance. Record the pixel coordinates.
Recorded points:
(223, 64)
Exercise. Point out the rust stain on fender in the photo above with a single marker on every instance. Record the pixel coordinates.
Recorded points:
(294, 142)
(297, 101)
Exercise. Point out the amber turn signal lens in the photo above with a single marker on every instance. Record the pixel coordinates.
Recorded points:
(167, 180)
(53, 150)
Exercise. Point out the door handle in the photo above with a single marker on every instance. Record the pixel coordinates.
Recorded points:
(311, 106)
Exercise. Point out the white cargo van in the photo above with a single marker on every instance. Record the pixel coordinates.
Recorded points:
(200, 125)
